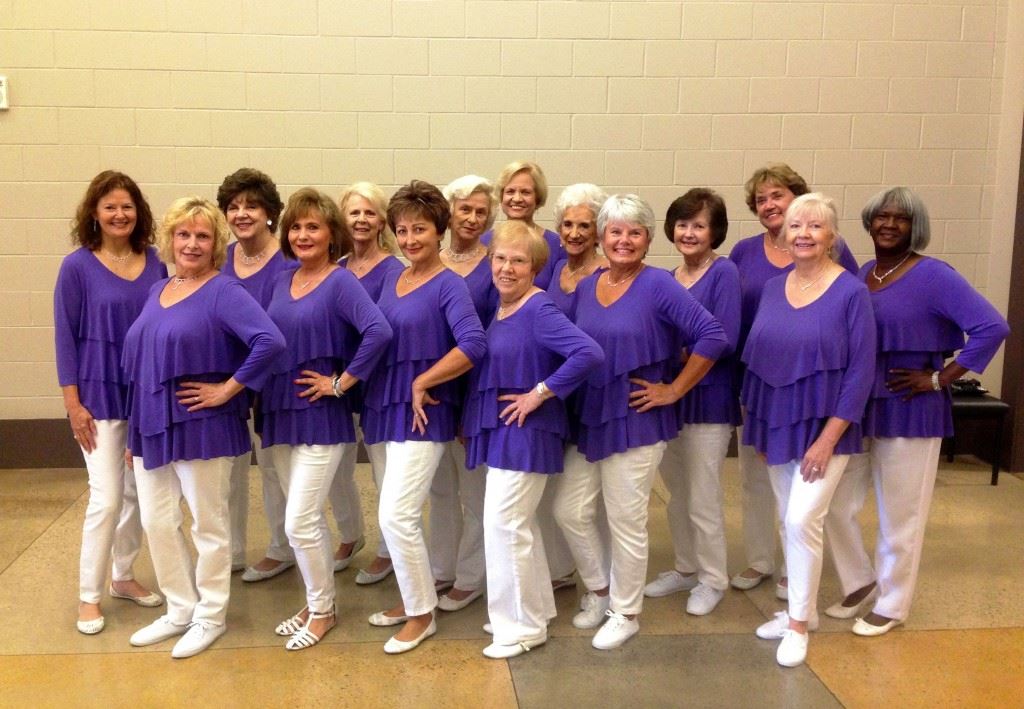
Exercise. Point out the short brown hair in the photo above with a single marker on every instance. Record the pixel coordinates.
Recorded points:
(188, 209)
(256, 185)
(775, 173)
(520, 234)
(690, 205)
(84, 229)
(422, 199)
(301, 204)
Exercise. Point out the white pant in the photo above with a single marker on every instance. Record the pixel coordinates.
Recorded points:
(904, 472)
(198, 592)
(410, 469)
(112, 526)
(519, 598)
(378, 455)
(344, 496)
(456, 520)
(306, 473)
(273, 504)
(692, 472)
(625, 480)
(842, 528)
(556, 549)
(802, 507)
(760, 525)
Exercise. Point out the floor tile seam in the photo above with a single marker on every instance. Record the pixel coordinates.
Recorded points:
(43, 532)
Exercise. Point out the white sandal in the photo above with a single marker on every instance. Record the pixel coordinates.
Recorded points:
(304, 637)
(292, 625)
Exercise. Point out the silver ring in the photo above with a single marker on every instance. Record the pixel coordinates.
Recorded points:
(816, 469)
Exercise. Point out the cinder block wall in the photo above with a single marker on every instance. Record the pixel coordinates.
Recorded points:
(652, 97)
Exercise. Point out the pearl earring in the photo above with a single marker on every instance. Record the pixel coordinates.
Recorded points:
(270, 222)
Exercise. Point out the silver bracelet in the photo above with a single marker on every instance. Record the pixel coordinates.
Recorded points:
(936, 386)
(335, 381)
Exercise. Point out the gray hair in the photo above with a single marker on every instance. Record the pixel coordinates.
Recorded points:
(467, 185)
(904, 199)
(822, 207)
(627, 208)
(582, 194)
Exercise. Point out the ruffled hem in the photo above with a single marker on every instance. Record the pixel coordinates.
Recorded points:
(708, 405)
(631, 431)
(153, 412)
(100, 360)
(105, 400)
(209, 438)
(312, 426)
(598, 405)
(394, 423)
(813, 397)
(281, 393)
(393, 385)
(781, 444)
(521, 449)
(481, 413)
(928, 415)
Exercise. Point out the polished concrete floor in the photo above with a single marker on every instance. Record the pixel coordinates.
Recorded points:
(962, 646)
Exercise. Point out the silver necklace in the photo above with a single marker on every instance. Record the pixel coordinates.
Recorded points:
(771, 242)
(252, 260)
(177, 281)
(687, 272)
(573, 271)
(116, 259)
(414, 281)
(505, 310)
(874, 270)
(627, 278)
(306, 284)
(805, 286)
(462, 256)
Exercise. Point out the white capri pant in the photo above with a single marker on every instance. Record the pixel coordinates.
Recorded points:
(802, 507)
(760, 525)
(112, 526)
(410, 469)
(692, 471)
(197, 591)
(306, 473)
(456, 520)
(842, 529)
(625, 480)
(520, 601)
(344, 495)
(904, 471)
(560, 561)
(273, 504)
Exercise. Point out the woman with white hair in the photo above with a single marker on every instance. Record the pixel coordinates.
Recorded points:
(457, 494)
(923, 309)
(810, 358)
(626, 411)
(522, 189)
(363, 208)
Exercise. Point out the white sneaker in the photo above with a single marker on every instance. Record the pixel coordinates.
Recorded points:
(775, 629)
(669, 582)
(703, 599)
(592, 610)
(156, 632)
(200, 636)
(615, 631)
(793, 649)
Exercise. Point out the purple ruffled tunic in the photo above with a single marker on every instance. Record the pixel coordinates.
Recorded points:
(921, 320)
(805, 365)
(336, 327)
(427, 323)
(260, 285)
(566, 302)
(640, 335)
(218, 332)
(536, 343)
(555, 254)
(715, 398)
(92, 311)
(373, 280)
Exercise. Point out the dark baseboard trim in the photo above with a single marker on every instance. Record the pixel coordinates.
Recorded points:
(38, 443)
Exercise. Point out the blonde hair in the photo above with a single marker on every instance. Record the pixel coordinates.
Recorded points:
(190, 209)
(540, 183)
(375, 196)
(819, 206)
(517, 233)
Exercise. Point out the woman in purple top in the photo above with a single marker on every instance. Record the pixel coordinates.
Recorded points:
(515, 425)
(335, 335)
(363, 207)
(456, 545)
(199, 341)
(810, 356)
(923, 309)
(412, 401)
(769, 191)
(252, 205)
(626, 410)
(100, 290)
(696, 223)
(522, 189)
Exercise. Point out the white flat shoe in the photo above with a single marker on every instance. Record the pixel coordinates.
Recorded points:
(396, 647)
(365, 578)
(149, 601)
(342, 564)
(304, 637)
(503, 652)
(90, 627)
(381, 620)
(838, 610)
(291, 625)
(254, 575)
(446, 603)
(867, 630)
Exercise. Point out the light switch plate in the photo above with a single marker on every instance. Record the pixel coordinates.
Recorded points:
(4, 87)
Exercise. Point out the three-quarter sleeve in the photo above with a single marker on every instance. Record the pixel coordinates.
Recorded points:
(67, 316)
(240, 315)
(358, 308)
(984, 326)
(696, 325)
(457, 306)
(858, 377)
(555, 332)
(725, 305)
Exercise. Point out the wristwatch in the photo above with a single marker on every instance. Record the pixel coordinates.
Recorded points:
(542, 390)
